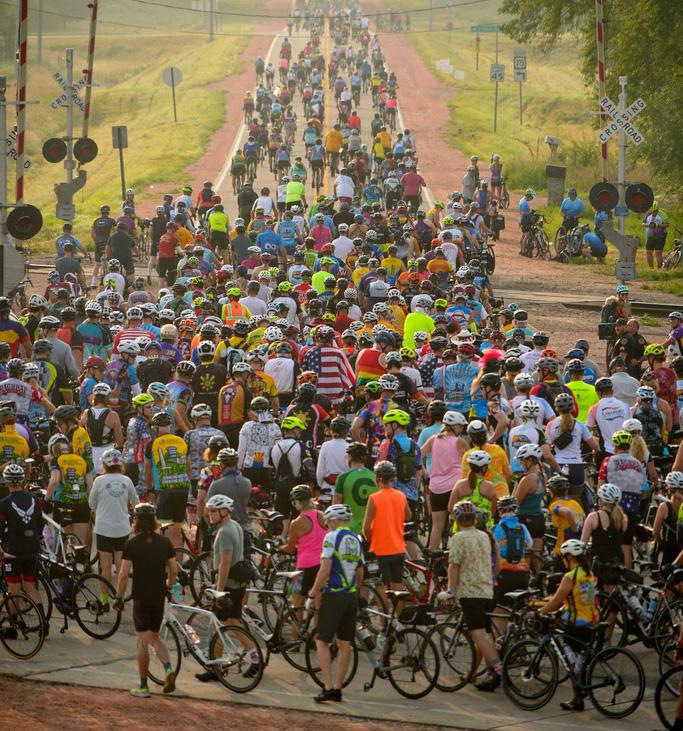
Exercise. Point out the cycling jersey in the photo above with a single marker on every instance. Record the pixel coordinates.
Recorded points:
(168, 454)
(72, 486)
(344, 549)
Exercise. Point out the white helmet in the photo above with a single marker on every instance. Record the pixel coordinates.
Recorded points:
(201, 411)
(94, 307)
(134, 313)
(219, 502)
(31, 370)
(112, 457)
(206, 348)
(101, 389)
(573, 547)
(479, 458)
(242, 367)
(674, 480)
(338, 512)
(273, 334)
(389, 382)
(454, 418)
(129, 346)
(609, 493)
(529, 451)
(523, 380)
(37, 300)
(631, 425)
(529, 408)
(420, 335)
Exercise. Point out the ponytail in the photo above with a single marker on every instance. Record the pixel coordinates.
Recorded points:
(566, 422)
(639, 449)
(617, 518)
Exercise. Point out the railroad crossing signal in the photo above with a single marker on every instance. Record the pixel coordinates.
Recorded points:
(63, 98)
(12, 150)
(621, 121)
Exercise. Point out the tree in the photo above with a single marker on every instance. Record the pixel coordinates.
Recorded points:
(643, 42)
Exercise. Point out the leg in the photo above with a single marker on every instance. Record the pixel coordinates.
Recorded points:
(438, 525)
(342, 663)
(325, 660)
(106, 564)
(159, 648)
(143, 639)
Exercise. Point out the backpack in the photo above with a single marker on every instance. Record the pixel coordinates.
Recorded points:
(96, 427)
(285, 479)
(515, 543)
(406, 462)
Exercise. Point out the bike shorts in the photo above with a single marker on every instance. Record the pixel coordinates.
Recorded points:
(148, 616)
(535, 525)
(474, 610)
(219, 239)
(100, 246)
(24, 566)
(154, 248)
(337, 617)
(317, 165)
(439, 501)
(105, 544)
(172, 505)
(304, 583)
(628, 535)
(391, 568)
(80, 512)
(283, 164)
(166, 267)
(655, 243)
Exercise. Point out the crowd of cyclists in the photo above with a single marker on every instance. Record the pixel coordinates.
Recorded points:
(333, 389)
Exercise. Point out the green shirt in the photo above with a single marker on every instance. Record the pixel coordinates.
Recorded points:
(585, 396)
(355, 487)
(295, 191)
(218, 221)
(229, 541)
(318, 280)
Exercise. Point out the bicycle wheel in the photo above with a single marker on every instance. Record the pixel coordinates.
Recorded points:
(529, 675)
(413, 662)
(559, 240)
(169, 636)
(666, 661)
(22, 631)
(375, 622)
(313, 666)
(184, 562)
(490, 261)
(238, 660)
(92, 597)
(613, 612)
(201, 578)
(666, 699)
(45, 595)
(293, 634)
(615, 682)
(457, 653)
(672, 260)
(667, 624)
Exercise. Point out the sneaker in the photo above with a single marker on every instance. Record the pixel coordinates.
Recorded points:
(9, 633)
(490, 682)
(205, 677)
(169, 682)
(575, 704)
(328, 695)
(140, 692)
(252, 671)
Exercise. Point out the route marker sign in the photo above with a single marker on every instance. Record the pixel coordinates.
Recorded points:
(621, 121)
(497, 72)
(519, 65)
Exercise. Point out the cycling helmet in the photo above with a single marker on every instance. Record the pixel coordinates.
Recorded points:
(463, 509)
(490, 380)
(558, 484)
(292, 422)
(609, 493)
(117, 317)
(201, 411)
(31, 370)
(308, 389)
(227, 454)
(220, 502)
(674, 480)
(466, 349)
(529, 451)
(56, 439)
(161, 418)
(573, 547)
(530, 192)
(407, 354)
(49, 322)
(37, 300)
(622, 438)
(389, 382)
(656, 350)
(622, 289)
(93, 308)
(575, 366)
(632, 425)
(129, 347)
(563, 402)
(15, 367)
(142, 399)
(259, 404)
(454, 418)
(523, 380)
(134, 313)
(338, 512)
(13, 474)
(112, 458)
(300, 493)
(529, 409)
(507, 505)
(350, 334)
(66, 412)
(645, 392)
(186, 367)
(101, 389)
(143, 341)
(550, 364)
(273, 334)
(393, 357)
(217, 442)
(396, 416)
(206, 349)
(478, 458)
(385, 469)
(373, 388)
(604, 384)
(476, 427)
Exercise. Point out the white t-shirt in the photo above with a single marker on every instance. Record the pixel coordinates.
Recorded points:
(608, 415)
(414, 376)
(119, 279)
(343, 245)
(527, 433)
(289, 303)
(282, 372)
(343, 186)
(378, 288)
(331, 461)
(625, 387)
(355, 312)
(571, 454)
(265, 202)
(546, 413)
(255, 305)
(451, 251)
(530, 359)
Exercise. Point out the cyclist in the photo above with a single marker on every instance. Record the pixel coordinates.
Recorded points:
(525, 212)
(237, 169)
(572, 209)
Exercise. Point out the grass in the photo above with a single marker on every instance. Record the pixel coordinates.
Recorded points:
(129, 92)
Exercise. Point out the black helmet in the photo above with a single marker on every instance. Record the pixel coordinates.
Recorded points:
(339, 424)
(5, 305)
(437, 409)
(513, 364)
(218, 442)
(65, 413)
(42, 345)
(540, 338)
(260, 403)
(161, 419)
(5, 350)
(385, 469)
(357, 450)
(604, 384)
(308, 389)
(490, 380)
(15, 367)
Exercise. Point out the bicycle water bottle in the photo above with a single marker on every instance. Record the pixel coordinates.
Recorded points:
(637, 607)
(368, 639)
(177, 592)
(411, 584)
(651, 608)
(194, 637)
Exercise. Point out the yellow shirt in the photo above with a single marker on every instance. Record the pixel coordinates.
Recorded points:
(399, 316)
(378, 150)
(82, 446)
(13, 447)
(263, 384)
(334, 140)
(184, 236)
(72, 487)
(496, 471)
(358, 274)
(385, 138)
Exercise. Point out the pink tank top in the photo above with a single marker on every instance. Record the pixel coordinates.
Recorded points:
(310, 546)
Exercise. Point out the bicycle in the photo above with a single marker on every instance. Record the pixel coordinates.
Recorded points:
(535, 242)
(17, 295)
(251, 167)
(144, 240)
(226, 650)
(504, 195)
(406, 656)
(22, 628)
(673, 258)
(531, 675)
(333, 161)
(667, 693)
(317, 178)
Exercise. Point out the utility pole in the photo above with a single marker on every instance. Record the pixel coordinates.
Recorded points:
(431, 26)
(40, 31)
(621, 183)
(3, 163)
(211, 20)
(69, 90)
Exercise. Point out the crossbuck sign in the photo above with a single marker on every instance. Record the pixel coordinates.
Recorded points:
(621, 121)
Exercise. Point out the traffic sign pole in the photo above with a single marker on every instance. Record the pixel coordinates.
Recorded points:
(495, 103)
(89, 70)
(477, 48)
(3, 163)
(600, 34)
(69, 89)
(621, 186)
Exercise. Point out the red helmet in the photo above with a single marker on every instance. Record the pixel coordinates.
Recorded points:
(94, 362)
(222, 274)
(548, 353)
(436, 242)
(216, 199)
(466, 349)
(308, 377)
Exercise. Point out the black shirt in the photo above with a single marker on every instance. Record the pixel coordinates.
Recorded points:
(343, 217)
(149, 553)
(68, 265)
(121, 246)
(154, 369)
(245, 200)
(21, 514)
(103, 226)
(158, 227)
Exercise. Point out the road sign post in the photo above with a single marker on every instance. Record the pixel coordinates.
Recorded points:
(519, 66)
(172, 77)
(3, 165)
(119, 140)
(477, 48)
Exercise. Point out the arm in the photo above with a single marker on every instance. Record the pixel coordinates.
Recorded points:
(549, 457)
(367, 521)
(55, 476)
(659, 521)
(358, 429)
(589, 526)
(223, 571)
(115, 426)
(453, 576)
(124, 571)
(148, 480)
(321, 577)
(556, 602)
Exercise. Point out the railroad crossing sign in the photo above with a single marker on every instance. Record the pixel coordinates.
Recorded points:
(519, 64)
(497, 72)
(12, 149)
(621, 121)
(62, 99)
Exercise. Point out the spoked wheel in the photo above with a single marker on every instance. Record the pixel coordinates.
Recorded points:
(93, 598)
(413, 663)
(169, 637)
(616, 682)
(457, 654)
(22, 631)
(560, 240)
(293, 635)
(240, 662)
(490, 261)
(672, 260)
(529, 675)
(201, 578)
(666, 695)
(616, 617)
(45, 596)
(313, 666)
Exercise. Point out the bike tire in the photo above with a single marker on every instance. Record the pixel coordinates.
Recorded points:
(229, 643)
(90, 611)
(673, 259)
(184, 562)
(418, 655)
(525, 662)
(201, 578)
(667, 624)
(457, 653)
(505, 200)
(45, 592)
(609, 605)
(22, 629)
(313, 666)
(616, 668)
(169, 636)
(665, 700)
(294, 649)
(490, 262)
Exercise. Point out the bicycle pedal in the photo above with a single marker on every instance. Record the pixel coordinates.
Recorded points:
(366, 687)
